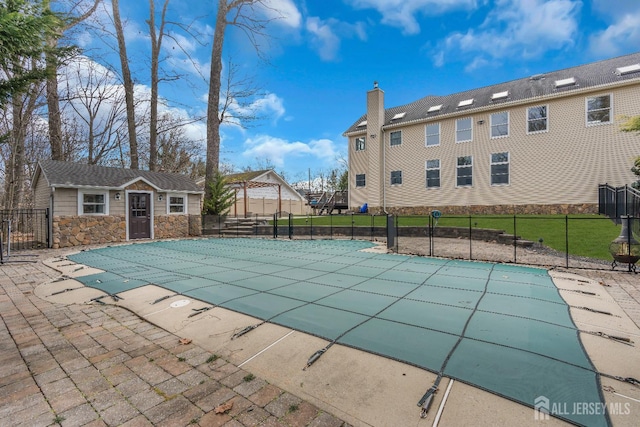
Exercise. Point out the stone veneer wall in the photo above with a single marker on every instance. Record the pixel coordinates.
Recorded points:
(94, 230)
(567, 209)
(88, 230)
(171, 226)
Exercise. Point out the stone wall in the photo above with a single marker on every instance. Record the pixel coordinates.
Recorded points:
(88, 230)
(567, 209)
(171, 226)
(95, 230)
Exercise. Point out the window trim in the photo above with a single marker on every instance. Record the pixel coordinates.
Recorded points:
(491, 125)
(464, 130)
(391, 144)
(81, 194)
(426, 134)
(184, 204)
(391, 178)
(586, 110)
(363, 145)
(364, 180)
(546, 129)
(427, 169)
(458, 167)
(508, 163)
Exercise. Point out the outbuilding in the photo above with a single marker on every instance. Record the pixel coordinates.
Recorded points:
(91, 204)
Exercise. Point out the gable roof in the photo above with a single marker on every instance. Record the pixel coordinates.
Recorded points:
(596, 74)
(76, 175)
(246, 176)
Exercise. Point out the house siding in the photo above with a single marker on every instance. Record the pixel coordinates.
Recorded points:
(552, 171)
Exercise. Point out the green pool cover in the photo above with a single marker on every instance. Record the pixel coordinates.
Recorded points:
(502, 328)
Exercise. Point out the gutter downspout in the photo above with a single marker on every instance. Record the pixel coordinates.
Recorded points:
(384, 172)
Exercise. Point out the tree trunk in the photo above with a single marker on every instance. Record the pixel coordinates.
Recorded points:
(213, 108)
(156, 45)
(53, 102)
(128, 85)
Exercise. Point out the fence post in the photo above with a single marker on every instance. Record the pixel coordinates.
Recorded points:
(352, 221)
(470, 229)
(290, 226)
(515, 241)
(275, 225)
(566, 239)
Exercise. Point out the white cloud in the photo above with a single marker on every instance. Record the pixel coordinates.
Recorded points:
(284, 12)
(269, 106)
(623, 31)
(326, 35)
(277, 150)
(402, 13)
(323, 38)
(515, 28)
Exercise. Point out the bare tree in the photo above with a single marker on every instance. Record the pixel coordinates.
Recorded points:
(127, 81)
(52, 64)
(156, 46)
(245, 15)
(93, 94)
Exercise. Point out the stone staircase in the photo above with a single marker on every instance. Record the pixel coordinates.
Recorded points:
(238, 226)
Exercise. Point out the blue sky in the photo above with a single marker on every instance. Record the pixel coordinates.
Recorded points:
(323, 55)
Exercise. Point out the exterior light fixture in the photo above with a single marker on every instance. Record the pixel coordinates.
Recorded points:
(625, 249)
(117, 196)
(160, 197)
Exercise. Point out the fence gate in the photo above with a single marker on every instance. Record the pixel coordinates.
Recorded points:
(22, 229)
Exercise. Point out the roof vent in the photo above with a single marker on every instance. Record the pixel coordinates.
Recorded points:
(399, 116)
(465, 103)
(537, 76)
(566, 82)
(499, 95)
(621, 71)
(434, 108)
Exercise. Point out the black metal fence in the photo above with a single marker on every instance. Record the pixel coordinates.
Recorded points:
(22, 229)
(615, 202)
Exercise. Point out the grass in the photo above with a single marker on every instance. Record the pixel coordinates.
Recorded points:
(249, 377)
(587, 235)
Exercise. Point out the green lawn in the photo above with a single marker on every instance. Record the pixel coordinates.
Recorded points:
(588, 235)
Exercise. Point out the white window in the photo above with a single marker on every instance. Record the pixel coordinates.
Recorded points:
(177, 204)
(464, 172)
(537, 119)
(361, 180)
(395, 138)
(396, 177)
(360, 143)
(433, 135)
(500, 124)
(433, 173)
(598, 110)
(499, 168)
(464, 129)
(93, 203)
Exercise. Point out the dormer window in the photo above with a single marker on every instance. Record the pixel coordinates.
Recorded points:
(499, 95)
(434, 108)
(399, 116)
(565, 82)
(465, 103)
(621, 71)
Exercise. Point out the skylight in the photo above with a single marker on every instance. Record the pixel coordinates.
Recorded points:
(621, 71)
(566, 82)
(499, 95)
(399, 116)
(434, 108)
(362, 123)
(465, 103)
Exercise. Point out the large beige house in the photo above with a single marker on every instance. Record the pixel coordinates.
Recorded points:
(540, 144)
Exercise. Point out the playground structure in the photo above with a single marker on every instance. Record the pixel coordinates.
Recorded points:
(327, 202)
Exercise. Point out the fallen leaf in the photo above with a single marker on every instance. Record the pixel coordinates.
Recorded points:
(185, 341)
(224, 407)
